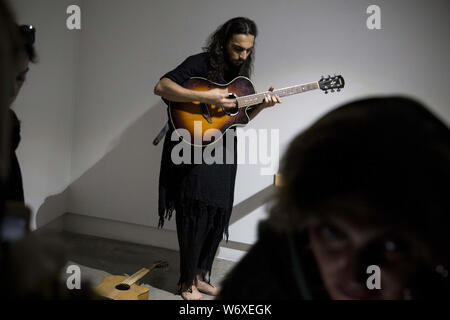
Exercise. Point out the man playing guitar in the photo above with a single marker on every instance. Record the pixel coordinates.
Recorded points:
(202, 194)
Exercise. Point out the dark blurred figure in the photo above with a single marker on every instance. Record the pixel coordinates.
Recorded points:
(367, 184)
(23, 55)
(31, 264)
(8, 41)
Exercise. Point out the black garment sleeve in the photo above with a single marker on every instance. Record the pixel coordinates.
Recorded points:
(14, 183)
(193, 66)
(15, 130)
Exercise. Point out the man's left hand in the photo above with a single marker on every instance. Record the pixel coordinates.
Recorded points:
(271, 100)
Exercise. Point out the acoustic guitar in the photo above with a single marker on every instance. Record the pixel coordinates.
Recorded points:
(193, 121)
(126, 288)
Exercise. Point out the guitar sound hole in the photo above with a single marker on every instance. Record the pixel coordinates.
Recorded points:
(123, 287)
(232, 111)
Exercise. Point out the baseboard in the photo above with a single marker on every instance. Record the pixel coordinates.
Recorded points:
(117, 230)
(56, 225)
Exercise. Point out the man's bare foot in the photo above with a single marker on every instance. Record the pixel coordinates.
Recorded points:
(206, 288)
(190, 293)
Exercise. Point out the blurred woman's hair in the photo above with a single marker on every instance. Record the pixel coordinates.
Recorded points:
(391, 153)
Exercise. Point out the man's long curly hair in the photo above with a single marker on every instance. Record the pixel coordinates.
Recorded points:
(216, 47)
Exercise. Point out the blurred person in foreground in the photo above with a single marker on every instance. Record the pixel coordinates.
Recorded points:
(366, 185)
(8, 41)
(31, 265)
(24, 54)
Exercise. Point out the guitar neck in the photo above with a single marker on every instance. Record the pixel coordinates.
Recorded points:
(258, 98)
(137, 276)
(141, 273)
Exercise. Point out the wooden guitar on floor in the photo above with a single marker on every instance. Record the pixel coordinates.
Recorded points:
(198, 118)
(126, 288)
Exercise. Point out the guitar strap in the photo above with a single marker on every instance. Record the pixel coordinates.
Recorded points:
(161, 134)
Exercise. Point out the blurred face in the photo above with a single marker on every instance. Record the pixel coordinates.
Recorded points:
(20, 75)
(239, 48)
(344, 248)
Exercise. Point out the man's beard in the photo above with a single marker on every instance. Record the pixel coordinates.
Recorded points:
(235, 68)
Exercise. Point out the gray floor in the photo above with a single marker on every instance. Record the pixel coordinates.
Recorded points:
(99, 258)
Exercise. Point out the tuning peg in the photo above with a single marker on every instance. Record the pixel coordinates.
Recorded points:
(338, 90)
(326, 92)
(332, 90)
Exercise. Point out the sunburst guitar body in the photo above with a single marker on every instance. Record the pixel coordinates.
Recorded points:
(199, 118)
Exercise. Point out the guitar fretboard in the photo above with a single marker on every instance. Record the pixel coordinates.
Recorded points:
(258, 98)
(136, 277)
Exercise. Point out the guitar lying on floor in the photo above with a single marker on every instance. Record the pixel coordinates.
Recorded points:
(197, 118)
(126, 288)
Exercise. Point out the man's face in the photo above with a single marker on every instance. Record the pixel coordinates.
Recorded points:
(239, 48)
(22, 69)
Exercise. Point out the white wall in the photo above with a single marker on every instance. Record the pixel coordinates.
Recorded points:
(125, 46)
(45, 106)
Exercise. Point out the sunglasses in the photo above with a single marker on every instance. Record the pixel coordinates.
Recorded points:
(29, 33)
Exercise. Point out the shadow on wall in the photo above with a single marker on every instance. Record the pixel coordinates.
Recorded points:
(123, 185)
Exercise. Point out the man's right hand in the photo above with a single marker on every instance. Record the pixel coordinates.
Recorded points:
(219, 98)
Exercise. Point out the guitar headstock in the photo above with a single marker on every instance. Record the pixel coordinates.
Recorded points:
(332, 83)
